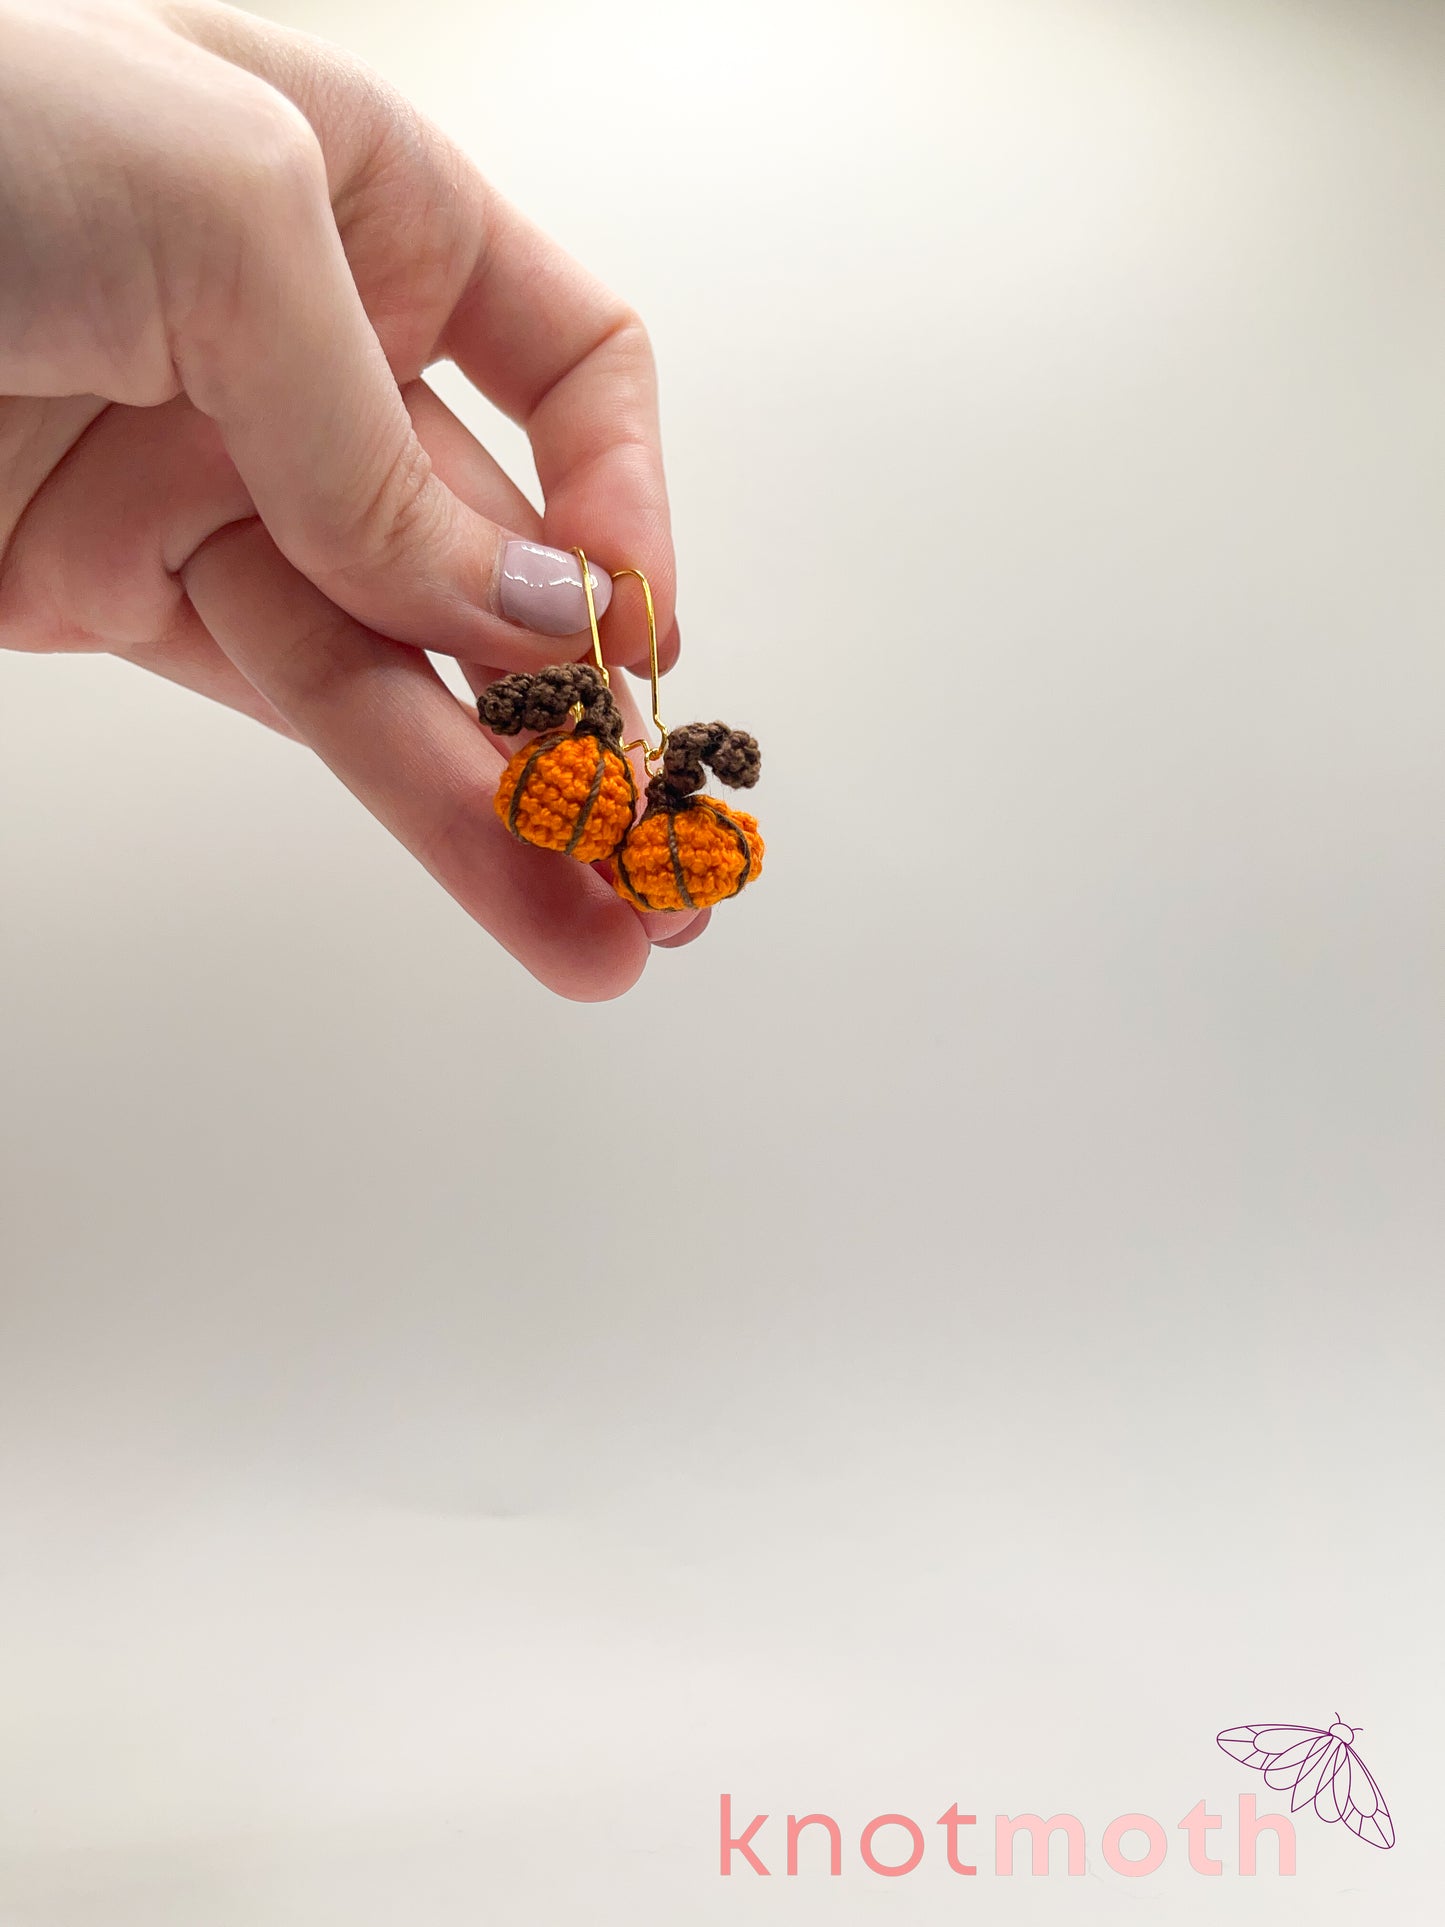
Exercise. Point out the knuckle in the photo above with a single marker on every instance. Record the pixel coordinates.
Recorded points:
(255, 163)
(237, 223)
(315, 670)
(392, 524)
(270, 159)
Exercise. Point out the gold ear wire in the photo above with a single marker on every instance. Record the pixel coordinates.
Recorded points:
(592, 617)
(649, 756)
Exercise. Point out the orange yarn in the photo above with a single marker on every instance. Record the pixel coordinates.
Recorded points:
(570, 793)
(687, 858)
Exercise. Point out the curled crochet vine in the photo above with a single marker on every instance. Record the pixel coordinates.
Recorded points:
(546, 699)
(732, 755)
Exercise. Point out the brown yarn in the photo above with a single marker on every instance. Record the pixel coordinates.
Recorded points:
(519, 701)
(734, 756)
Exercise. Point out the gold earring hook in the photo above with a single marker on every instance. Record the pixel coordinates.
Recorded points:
(649, 756)
(577, 711)
(592, 617)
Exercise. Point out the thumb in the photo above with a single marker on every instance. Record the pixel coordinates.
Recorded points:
(288, 365)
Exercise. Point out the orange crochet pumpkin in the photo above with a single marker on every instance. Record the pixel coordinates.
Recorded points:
(690, 851)
(570, 790)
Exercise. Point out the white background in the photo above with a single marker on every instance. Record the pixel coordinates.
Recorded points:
(991, 1338)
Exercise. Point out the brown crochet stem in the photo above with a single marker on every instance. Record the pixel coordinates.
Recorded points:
(544, 701)
(733, 755)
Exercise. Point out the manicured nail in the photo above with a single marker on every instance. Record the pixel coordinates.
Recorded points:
(542, 589)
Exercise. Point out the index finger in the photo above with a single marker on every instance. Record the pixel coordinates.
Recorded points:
(450, 268)
(562, 355)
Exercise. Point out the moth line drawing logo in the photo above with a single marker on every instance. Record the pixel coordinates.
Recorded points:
(1318, 1768)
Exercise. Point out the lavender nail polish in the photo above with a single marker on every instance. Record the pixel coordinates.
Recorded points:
(542, 589)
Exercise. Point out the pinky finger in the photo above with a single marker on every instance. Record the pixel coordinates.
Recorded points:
(673, 938)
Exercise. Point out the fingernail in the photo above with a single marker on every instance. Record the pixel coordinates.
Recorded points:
(542, 589)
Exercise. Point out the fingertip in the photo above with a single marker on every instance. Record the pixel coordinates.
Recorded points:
(669, 649)
(675, 939)
(560, 920)
(601, 976)
(627, 642)
(662, 925)
(591, 953)
(596, 969)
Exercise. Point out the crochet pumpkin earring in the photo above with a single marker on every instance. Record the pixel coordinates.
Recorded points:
(571, 790)
(688, 851)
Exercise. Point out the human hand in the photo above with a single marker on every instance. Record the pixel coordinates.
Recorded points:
(226, 254)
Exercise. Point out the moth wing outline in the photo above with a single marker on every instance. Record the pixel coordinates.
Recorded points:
(1317, 1770)
(1363, 1808)
(1261, 1745)
(1314, 1773)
